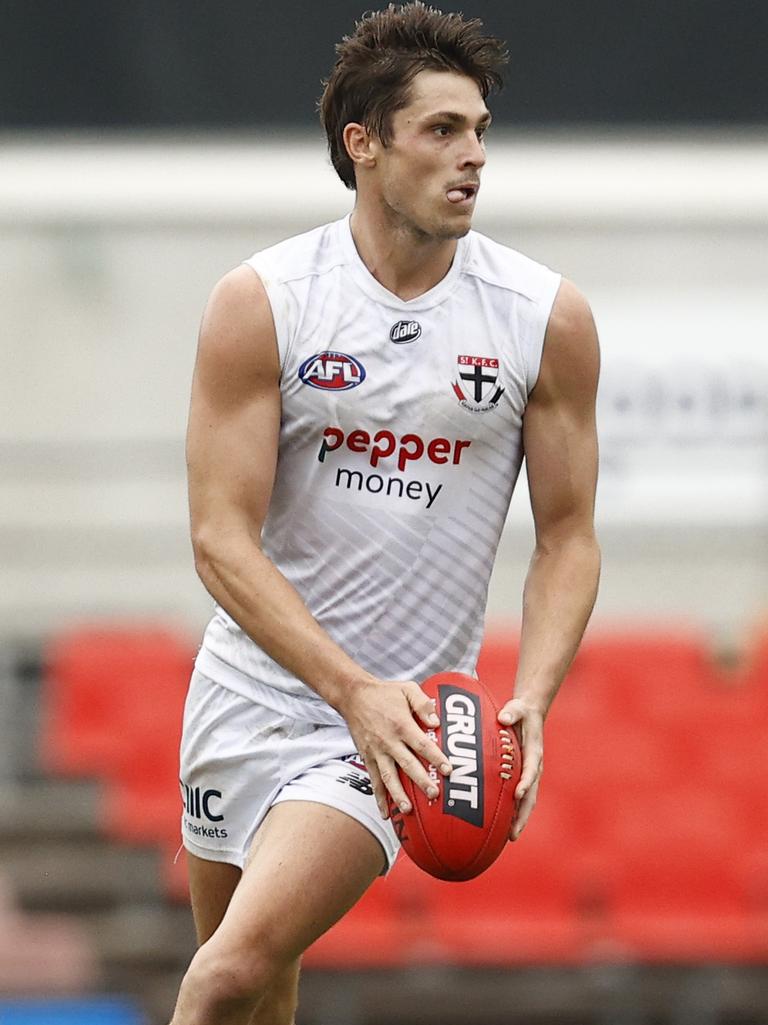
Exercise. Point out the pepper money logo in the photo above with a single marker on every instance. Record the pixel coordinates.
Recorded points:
(390, 450)
(332, 371)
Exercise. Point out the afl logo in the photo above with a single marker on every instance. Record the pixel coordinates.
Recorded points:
(332, 371)
(405, 331)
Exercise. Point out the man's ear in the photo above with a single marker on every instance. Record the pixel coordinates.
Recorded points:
(360, 145)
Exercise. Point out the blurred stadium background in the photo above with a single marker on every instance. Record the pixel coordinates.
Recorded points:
(146, 149)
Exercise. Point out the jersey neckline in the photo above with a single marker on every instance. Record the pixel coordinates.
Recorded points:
(375, 290)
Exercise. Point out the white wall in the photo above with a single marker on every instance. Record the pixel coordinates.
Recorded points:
(107, 253)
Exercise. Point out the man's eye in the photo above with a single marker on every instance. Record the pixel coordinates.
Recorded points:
(442, 130)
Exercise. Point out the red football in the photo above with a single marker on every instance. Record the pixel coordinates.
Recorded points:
(460, 833)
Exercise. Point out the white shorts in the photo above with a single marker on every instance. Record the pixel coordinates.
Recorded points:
(239, 758)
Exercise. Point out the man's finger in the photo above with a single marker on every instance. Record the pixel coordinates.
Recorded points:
(414, 768)
(379, 790)
(427, 749)
(524, 810)
(391, 781)
(425, 709)
(511, 713)
(533, 754)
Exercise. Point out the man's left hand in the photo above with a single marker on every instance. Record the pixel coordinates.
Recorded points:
(531, 723)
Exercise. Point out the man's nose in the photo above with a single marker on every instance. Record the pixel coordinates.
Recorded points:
(474, 155)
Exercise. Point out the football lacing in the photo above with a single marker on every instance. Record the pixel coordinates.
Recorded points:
(507, 754)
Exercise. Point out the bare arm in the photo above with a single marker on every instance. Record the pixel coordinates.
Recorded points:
(561, 455)
(232, 444)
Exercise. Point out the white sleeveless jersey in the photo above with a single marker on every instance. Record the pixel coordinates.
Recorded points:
(400, 445)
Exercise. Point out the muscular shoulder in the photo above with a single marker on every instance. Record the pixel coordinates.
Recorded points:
(571, 318)
(238, 301)
(571, 357)
(237, 335)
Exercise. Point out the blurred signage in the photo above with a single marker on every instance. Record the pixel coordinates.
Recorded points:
(682, 411)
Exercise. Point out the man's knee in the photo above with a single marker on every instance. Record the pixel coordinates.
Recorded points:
(220, 981)
(279, 1003)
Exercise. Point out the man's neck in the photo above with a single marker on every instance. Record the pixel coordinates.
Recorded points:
(404, 262)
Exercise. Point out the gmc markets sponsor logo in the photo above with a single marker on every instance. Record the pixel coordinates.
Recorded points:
(405, 331)
(463, 740)
(201, 805)
(388, 449)
(332, 371)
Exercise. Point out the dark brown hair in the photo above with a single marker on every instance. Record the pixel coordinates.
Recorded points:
(377, 64)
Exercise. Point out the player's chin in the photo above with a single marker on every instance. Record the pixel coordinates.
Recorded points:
(455, 227)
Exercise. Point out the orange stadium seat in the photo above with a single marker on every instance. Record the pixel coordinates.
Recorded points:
(723, 753)
(112, 706)
(592, 754)
(102, 688)
(679, 889)
(647, 676)
(753, 873)
(534, 905)
(584, 698)
(697, 912)
(143, 798)
(473, 932)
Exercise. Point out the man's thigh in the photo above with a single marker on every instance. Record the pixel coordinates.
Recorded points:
(308, 865)
(211, 885)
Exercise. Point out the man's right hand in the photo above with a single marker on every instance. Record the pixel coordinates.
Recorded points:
(380, 716)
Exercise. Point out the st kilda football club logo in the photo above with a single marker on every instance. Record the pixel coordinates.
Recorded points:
(332, 371)
(477, 383)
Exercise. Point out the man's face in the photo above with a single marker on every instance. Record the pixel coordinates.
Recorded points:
(428, 175)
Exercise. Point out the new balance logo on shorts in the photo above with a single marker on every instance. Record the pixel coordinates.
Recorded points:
(359, 781)
(200, 804)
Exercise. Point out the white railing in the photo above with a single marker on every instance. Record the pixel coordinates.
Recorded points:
(622, 178)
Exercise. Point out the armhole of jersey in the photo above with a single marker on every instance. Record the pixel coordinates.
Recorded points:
(538, 330)
(276, 297)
